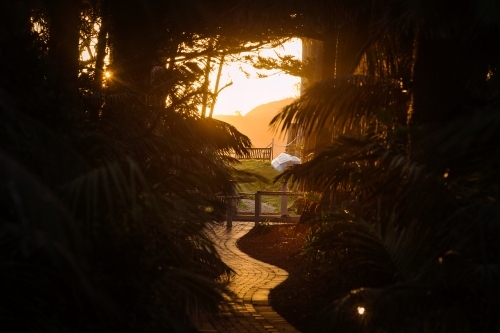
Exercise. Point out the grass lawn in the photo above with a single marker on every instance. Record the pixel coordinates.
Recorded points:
(266, 174)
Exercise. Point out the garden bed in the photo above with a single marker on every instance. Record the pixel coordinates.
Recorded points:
(300, 298)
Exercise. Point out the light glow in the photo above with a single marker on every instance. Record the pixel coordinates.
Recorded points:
(361, 310)
(85, 56)
(247, 93)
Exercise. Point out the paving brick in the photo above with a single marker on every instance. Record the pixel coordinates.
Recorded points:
(249, 311)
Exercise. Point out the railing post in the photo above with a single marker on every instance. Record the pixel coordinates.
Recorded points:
(257, 207)
(231, 204)
(229, 213)
(272, 150)
(284, 199)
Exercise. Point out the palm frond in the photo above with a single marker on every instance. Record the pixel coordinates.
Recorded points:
(344, 103)
(42, 255)
(20, 136)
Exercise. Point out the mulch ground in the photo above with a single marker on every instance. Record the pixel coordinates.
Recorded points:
(300, 298)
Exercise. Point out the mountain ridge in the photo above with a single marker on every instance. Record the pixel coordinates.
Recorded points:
(255, 124)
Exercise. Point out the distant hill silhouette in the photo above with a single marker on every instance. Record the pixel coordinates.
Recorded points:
(255, 124)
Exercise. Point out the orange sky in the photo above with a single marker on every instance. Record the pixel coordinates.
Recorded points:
(245, 94)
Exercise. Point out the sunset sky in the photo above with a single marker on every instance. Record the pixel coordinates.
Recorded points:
(245, 94)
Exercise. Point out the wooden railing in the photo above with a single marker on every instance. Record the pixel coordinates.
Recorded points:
(265, 154)
(231, 198)
(282, 194)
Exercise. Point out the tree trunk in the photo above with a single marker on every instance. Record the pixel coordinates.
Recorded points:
(439, 95)
(64, 37)
(350, 42)
(341, 50)
(216, 89)
(329, 56)
(99, 64)
(23, 76)
(205, 87)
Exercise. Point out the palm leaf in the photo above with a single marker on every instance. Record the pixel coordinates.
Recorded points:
(343, 103)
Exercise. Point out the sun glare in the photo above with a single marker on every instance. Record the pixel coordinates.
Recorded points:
(85, 56)
(248, 92)
(107, 75)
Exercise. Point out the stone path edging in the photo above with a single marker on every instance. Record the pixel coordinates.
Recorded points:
(250, 310)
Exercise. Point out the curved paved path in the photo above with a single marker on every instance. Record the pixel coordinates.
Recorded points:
(250, 310)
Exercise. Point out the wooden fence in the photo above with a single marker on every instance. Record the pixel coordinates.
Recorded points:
(265, 154)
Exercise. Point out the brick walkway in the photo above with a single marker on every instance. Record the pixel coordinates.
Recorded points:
(250, 310)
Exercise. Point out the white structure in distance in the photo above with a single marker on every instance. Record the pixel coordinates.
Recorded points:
(283, 161)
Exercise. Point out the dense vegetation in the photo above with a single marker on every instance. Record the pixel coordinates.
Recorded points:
(406, 156)
(107, 183)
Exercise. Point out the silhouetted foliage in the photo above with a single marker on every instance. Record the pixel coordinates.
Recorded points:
(108, 185)
(107, 192)
(412, 171)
